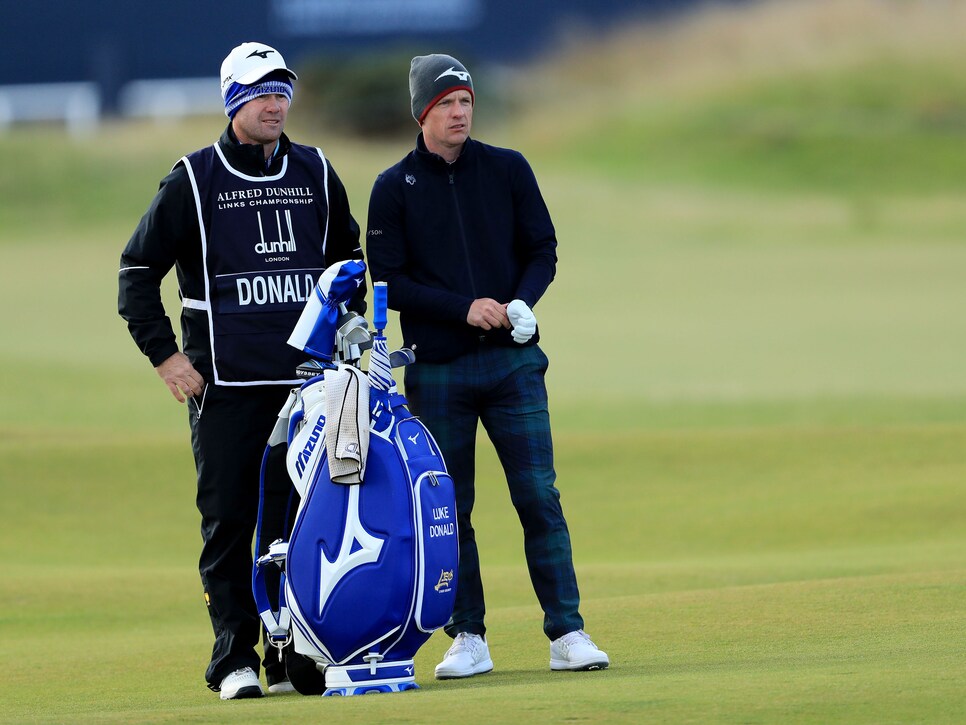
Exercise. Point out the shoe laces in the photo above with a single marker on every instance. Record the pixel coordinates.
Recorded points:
(576, 638)
(465, 642)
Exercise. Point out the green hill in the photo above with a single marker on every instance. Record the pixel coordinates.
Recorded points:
(839, 97)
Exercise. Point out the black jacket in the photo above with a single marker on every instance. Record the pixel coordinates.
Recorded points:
(442, 235)
(168, 236)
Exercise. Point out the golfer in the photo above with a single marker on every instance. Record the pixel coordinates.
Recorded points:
(460, 232)
(249, 223)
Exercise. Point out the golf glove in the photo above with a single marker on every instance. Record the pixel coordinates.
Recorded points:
(522, 319)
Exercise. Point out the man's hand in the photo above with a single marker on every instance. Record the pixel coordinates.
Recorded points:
(180, 376)
(487, 313)
(522, 319)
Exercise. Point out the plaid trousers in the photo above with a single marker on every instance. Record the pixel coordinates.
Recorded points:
(503, 388)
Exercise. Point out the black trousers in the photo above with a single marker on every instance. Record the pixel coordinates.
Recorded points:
(229, 431)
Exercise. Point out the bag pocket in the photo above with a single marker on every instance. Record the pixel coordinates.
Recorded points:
(437, 550)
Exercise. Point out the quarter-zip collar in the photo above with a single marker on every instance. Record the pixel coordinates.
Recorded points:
(425, 155)
(250, 158)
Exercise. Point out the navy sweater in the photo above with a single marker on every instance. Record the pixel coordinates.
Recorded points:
(442, 235)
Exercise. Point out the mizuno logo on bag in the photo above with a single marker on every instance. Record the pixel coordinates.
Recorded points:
(306, 454)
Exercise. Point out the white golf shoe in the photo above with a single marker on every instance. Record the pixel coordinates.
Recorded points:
(280, 688)
(468, 655)
(576, 651)
(241, 684)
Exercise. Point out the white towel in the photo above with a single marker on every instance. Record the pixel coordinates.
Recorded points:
(347, 423)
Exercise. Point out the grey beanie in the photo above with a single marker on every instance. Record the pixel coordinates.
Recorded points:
(433, 76)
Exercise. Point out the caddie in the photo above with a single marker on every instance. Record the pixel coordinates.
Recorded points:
(249, 223)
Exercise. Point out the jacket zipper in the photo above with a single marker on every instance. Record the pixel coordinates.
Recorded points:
(459, 219)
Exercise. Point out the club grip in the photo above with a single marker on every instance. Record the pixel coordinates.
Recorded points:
(379, 303)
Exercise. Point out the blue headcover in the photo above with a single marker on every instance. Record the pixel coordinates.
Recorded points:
(315, 331)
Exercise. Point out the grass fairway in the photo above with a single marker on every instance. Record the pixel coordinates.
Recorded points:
(756, 575)
(740, 575)
(756, 344)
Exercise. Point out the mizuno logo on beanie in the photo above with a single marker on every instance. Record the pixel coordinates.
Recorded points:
(463, 76)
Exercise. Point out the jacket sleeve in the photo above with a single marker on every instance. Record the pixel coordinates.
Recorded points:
(389, 261)
(535, 237)
(343, 238)
(169, 223)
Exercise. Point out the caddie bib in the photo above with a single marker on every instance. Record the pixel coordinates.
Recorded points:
(263, 241)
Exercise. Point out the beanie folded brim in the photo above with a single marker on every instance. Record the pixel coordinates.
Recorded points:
(238, 94)
(441, 96)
